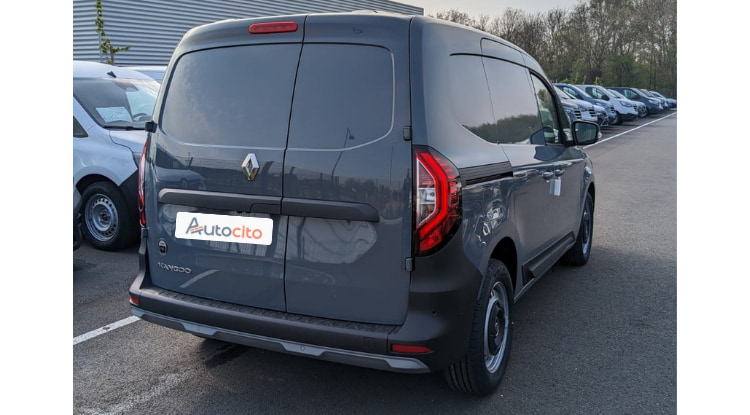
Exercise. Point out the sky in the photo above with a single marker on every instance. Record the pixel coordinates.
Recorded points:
(489, 7)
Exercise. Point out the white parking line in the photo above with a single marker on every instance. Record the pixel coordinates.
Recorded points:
(631, 130)
(105, 329)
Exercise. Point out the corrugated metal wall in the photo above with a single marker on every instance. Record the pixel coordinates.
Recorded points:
(153, 28)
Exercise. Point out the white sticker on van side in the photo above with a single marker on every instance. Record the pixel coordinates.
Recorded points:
(258, 231)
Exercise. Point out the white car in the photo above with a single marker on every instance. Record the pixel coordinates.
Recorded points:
(588, 112)
(111, 106)
(626, 109)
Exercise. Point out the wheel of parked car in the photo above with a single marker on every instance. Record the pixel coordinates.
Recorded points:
(481, 369)
(107, 224)
(618, 119)
(579, 253)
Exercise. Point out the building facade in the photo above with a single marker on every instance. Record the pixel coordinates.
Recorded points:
(153, 28)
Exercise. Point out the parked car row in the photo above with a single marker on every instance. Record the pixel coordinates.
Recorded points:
(654, 104)
(606, 111)
(625, 109)
(620, 103)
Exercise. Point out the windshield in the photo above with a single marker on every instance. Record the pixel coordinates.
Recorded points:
(117, 103)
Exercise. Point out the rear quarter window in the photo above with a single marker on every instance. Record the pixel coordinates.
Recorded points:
(470, 97)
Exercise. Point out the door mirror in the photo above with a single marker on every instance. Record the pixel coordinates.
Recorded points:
(585, 133)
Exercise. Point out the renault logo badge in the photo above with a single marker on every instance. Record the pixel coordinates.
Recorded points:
(250, 166)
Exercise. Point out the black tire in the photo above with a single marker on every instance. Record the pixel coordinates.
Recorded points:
(579, 253)
(480, 371)
(108, 224)
(618, 119)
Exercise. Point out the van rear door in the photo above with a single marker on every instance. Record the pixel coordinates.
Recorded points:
(347, 172)
(215, 228)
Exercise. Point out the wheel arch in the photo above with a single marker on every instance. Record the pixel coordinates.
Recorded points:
(90, 179)
(592, 190)
(506, 252)
(128, 189)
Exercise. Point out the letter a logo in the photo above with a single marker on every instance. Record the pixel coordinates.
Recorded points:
(194, 227)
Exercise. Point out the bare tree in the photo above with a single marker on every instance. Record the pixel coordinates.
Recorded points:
(611, 42)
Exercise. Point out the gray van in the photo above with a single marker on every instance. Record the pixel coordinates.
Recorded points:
(377, 190)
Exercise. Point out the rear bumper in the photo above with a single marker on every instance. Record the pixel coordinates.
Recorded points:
(350, 357)
(441, 303)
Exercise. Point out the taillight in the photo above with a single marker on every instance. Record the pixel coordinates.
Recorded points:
(272, 27)
(141, 179)
(438, 198)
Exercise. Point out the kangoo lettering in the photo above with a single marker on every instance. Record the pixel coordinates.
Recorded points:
(174, 268)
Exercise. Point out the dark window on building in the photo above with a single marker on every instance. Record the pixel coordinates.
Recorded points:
(235, 96)
(470, 96)
(343, 97)
(513, 103)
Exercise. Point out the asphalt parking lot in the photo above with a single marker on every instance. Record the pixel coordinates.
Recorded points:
(600, 339)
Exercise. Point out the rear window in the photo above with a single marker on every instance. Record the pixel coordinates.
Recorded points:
(343, 97)
(234, 96)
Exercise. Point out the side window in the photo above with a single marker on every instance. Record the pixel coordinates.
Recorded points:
(629, 94)
(547, 111)
(572, 92)
(470, 96)
(78, 131)
(595, 93)
(515, 108)
(343, 97)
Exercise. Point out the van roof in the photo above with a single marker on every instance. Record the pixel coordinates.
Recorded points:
(231, 31)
